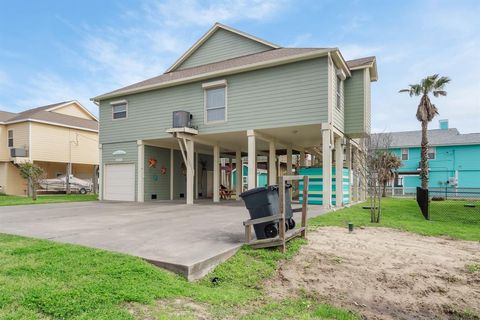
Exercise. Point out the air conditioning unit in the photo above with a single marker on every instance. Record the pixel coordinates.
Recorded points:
(452, 181)
(182, 119)
(18, 152)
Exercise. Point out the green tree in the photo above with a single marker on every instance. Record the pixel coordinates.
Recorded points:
(33, 175)
(426, 111)
(390, 164)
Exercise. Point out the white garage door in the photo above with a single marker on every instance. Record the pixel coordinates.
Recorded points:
(119, 182)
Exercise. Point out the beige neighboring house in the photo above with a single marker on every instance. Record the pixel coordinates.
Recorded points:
(50, 136)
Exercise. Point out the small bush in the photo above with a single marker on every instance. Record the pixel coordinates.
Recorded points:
(437, 198)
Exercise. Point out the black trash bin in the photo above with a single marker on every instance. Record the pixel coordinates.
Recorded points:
(263, 202)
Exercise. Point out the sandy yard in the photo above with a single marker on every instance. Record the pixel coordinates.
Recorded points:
(385, 274)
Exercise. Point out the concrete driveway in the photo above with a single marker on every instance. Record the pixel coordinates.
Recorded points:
(190, 240)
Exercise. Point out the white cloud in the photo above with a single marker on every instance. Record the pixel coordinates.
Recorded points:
(185, 13)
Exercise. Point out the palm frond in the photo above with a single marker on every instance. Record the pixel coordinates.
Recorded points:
(441, 82)
(438, 93)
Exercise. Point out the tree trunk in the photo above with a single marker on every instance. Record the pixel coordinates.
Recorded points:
(384, 189)
(424, 155)
(34, 192)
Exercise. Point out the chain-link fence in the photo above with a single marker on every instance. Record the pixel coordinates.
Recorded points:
(456, 206)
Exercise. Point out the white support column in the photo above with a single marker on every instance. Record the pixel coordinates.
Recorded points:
(348, 161)
(141, 172)
(289, 161)
(327, 166)
(239, 169)
(272, 169)
(189, 150)
(196, 175)
(100, 173)
(252, 160)
(338, 172)
(216, 173)
(302, 159)
(171, 174)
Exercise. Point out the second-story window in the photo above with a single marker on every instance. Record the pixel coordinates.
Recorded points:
(432, 153)
(10, 138)
(339, 93)
(215, 101)
(119, 110)
(405, 154)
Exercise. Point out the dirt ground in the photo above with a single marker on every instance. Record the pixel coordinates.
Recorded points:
(385, 274)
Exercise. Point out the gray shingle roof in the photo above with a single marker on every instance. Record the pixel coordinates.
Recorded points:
(436, 137)
(360, 62)
(40, 114)
(246, 60)
(4, 115)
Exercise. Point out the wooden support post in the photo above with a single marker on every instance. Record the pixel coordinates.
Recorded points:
(305, 206)
(338, 172)
(272, 170)
(248, 233)
(282, 214)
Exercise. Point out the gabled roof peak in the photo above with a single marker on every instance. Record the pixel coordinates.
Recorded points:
(208, 34)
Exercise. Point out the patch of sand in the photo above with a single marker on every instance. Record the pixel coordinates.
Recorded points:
(384, 274)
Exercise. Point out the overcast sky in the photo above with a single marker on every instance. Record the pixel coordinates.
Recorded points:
(52, 51)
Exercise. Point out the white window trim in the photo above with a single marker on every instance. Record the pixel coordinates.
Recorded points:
(408, 154)
(113, 103)
(213, 85)
(8, 139)
(430, 149)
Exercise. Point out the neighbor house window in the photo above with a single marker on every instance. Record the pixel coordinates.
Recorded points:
(119, 109)
(10, 138)
(432, 153)
(405, 154)
(215, 101)
(339, 95)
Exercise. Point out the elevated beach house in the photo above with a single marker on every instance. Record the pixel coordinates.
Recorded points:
(241, 97)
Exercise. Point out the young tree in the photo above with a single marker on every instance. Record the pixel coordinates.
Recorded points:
(376, 165)
(33, 175)
(426, 111)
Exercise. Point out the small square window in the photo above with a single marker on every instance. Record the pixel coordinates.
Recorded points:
(432, 153)
(10, 138)
(119, 110)
(404, 154)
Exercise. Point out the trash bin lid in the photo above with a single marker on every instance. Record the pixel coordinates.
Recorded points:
(252, 191)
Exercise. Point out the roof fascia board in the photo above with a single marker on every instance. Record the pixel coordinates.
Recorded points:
(340, 61)
(207, 35)
(78, 104)
(372, 67)
(50, 123)
(229, 71)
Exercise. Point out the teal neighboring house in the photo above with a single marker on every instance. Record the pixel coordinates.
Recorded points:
(235, 98)
(454, 159)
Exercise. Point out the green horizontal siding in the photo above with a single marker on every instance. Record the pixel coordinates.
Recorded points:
(156, 182)
(355, 103)
(287, 95)
(223, 45)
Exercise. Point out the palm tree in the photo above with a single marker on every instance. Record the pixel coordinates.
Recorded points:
(426, 111)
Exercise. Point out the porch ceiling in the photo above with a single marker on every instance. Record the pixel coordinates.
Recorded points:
(299, 137)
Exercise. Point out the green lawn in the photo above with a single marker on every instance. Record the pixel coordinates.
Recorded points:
(40, 279)
(453, 221)
(15, 200)
(45, 280)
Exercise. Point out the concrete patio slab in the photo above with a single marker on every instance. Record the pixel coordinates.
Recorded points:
(190, 240)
